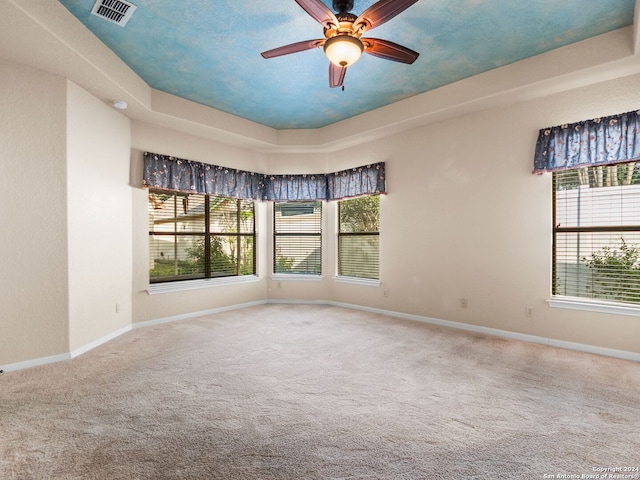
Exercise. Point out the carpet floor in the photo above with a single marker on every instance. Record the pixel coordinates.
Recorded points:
(319, 392)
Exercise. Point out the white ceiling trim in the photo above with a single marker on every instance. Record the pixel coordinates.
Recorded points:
(46, 36)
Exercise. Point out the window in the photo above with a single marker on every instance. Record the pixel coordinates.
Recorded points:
(195, 236)
(297, 238)
(359, 237)
(596, 233)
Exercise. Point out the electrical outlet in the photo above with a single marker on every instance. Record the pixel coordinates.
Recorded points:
(385, 293)
(464, 303)
(528, 311)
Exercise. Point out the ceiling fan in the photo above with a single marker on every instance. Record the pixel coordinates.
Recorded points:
(343, 44)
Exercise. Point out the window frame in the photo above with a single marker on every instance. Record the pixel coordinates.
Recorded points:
(340, 234)
(300, 234)
(209, 274)
(594, 303)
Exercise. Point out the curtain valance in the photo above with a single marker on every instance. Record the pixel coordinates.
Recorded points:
(600, 141)
(171, 173)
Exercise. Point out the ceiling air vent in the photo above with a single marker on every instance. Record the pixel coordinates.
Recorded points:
(116, 11)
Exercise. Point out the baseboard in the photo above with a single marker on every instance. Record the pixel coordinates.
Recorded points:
(186, 316)
(298, 302)
(100, 341)
(36, 362)
(580, 347)
(96, 343)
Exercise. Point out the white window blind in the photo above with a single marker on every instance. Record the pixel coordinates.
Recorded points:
(297, 238)
(195, 236)
(359, 237)
(596, 233)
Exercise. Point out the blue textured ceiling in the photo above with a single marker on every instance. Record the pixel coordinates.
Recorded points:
(208, 51)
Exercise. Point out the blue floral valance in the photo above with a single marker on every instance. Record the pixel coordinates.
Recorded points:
(601, 141)
(170, 173)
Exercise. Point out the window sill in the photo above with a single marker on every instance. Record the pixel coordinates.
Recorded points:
(367, 282)
(285, 277)
(199, 284)
(599, 306)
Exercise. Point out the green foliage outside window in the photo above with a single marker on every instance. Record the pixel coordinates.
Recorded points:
(220, 261)
(615, 273)
(360, 214)
(165, 268)
(284, 264)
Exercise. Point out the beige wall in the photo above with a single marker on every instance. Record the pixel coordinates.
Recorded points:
(464, 218)
(33, 271)
(148, 307)
(99, 211)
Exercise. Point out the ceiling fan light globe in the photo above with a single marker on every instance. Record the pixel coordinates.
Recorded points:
(343, 50)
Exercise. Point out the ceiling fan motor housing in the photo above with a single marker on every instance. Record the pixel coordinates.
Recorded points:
(346, 17)
(344, 27)
(343, 6)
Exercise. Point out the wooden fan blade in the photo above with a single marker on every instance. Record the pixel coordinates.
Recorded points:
(319, 11)
(336, 75)
(389, 50)
(381, 12)
(292, 48)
